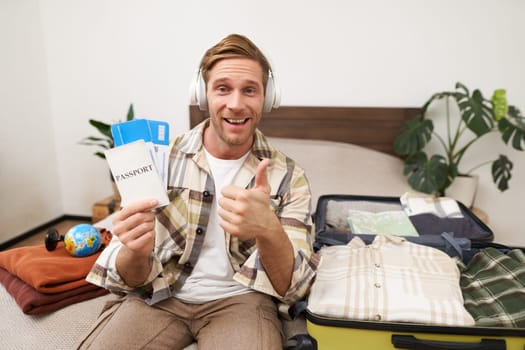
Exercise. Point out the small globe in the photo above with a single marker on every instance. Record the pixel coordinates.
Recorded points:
(82, 240)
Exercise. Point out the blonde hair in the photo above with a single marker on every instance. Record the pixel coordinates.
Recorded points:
(234, 46)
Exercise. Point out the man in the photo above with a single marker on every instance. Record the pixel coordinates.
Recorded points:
(235, 237)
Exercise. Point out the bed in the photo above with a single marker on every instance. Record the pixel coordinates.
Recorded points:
(370, 127)
(347, 150)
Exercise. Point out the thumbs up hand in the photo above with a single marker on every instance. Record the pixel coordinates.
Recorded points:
(261, 178)
(246, 213)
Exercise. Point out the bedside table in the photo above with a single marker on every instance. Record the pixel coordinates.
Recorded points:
(104, 208)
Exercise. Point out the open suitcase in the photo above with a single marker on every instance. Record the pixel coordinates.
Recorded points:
(463, 239)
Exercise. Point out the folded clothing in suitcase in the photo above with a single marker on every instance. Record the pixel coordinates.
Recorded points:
(348, 316)
(441, 223)
(464, 238)
(390, 279)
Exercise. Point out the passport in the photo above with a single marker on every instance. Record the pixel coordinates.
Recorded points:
(135, 173)
(154, 133)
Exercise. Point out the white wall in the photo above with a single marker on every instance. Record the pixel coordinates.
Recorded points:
(103, 54)
(30, 192)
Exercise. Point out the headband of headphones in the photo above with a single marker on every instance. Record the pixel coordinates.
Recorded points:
(272, 93)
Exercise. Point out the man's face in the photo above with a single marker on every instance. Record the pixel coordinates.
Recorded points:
(235, 94)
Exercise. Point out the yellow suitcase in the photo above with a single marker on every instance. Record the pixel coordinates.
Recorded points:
(334, 334)
(325, 333)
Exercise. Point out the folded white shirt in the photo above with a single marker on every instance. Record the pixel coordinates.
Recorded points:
(443, 207)
(391, 279)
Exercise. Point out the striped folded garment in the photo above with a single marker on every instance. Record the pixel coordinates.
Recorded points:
(493, 286)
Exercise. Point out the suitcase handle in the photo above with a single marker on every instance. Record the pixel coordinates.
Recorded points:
(411, 342)
(301, 342)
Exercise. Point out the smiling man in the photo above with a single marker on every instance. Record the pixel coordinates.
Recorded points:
(235, 238)
(236, 94)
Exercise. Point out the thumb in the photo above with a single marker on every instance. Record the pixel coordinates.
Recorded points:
(261, 178)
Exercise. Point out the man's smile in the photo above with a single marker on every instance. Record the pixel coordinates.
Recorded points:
(236, 121)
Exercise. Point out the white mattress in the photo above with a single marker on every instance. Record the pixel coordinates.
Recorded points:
(61, 329)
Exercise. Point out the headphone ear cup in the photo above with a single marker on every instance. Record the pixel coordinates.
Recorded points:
(272, 94)
(269, 95)
(201, 92)
(198, 91)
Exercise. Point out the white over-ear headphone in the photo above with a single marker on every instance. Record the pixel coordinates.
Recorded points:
(272, 93)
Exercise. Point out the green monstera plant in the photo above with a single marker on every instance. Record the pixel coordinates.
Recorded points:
(434, 173)
(105, 140)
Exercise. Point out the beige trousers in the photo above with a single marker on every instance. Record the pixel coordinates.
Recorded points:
(243, 322)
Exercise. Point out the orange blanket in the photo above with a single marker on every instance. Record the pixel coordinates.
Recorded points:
(33, 302)
(49, 272)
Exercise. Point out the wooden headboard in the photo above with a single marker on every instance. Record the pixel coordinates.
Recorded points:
(371, 127)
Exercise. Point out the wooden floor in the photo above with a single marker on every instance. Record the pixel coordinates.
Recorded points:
(38, 238)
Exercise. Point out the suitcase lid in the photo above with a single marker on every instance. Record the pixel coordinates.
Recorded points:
(330, 220)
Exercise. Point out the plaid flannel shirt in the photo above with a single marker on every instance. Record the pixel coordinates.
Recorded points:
(493, 286)
(181, 226)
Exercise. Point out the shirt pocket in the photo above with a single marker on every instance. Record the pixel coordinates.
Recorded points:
(178, 212)
(178, 193)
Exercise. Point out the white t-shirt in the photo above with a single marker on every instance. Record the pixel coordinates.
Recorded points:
(212, 275)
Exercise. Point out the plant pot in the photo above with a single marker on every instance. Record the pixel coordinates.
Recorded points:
(463, 189)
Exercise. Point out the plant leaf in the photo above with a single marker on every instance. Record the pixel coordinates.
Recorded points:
(131, 113)
(413, 136)
(500, 104)
(428, 175)
(105, 142)
(501, 172)
(436, 96)
(513, 127)
(94, 139)
(103, 128)
(100, 154)
(461, 86)
(476, 112)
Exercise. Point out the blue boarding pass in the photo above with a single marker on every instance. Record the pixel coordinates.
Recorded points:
(155, 134)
